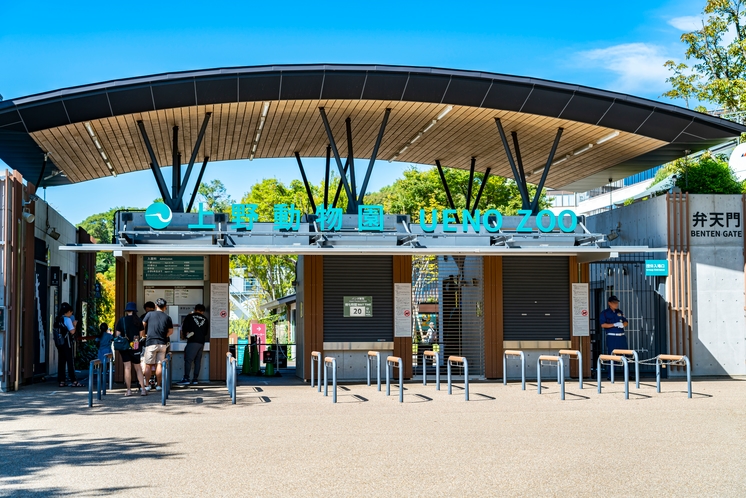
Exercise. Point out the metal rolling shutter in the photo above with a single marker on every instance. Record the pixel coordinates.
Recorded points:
(536, 298)
(358, 276)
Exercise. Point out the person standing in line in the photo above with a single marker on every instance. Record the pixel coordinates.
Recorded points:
(158, 327)
(147, 307)
(131, 327)
(104, 341)
(196, 330)
(65, 351)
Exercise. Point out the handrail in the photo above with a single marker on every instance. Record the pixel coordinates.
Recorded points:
(612, 358)
(230, 376)
(459, 359)
(636, 360)
(316, 355)
(109, 358)
(570, 353)
(368, 356)
(672, 357)
(330, 360)
(164, 379)
(390, 361)
(560, 372)
(510, 352)
(436, 363)
(97, 366)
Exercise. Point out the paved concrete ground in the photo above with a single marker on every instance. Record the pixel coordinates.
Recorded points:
(288, 440)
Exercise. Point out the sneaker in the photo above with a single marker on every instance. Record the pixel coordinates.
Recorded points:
(158, 388)
(183, 382)
(194, 382)
(148, 388)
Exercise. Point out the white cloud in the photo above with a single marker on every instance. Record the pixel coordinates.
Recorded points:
(638, 66)
(686, 23)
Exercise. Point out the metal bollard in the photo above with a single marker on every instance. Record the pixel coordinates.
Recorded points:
(389, 364)
(560, 373)
(333, 362)
(110, 357)
(94, 366)
(613, 358)
(570, 353)
(316, 356)
(523, 367)
(164, 373)
(635, 357)
(368, 356)
(436, 364)
(658, 364)
(459, 359)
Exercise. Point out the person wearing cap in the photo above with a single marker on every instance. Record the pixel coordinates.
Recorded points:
(131, 327)
(158, 327)
(196, 330)
(614, 322)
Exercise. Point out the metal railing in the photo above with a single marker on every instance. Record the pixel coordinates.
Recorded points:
(611, 359)
(574, 354)
(165, 378)
(436, 364)
(316, 356)
(230, 376)
(330, 361)
(459, 360)
(635, 360)
(560, 372)
(97, 367)
(390, 362)
(672, 359)
(510, 352)
(368, 356)
(109, 360)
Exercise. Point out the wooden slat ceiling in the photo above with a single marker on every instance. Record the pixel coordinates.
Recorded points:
(295, 125)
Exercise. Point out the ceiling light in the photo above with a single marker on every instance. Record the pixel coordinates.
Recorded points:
(560, 160)
(259, 128)
(444, 112)
(99, 148)
(424, 130)
(584, 148)
(608, 137)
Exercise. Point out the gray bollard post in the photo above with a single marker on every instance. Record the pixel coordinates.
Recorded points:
(164, 367)
(538, 377)
(523, 367)
(99, 378)
(401, 382)
(388, 378)
(111, 371)
(561, 370)
(333, 362)
(90, 385)
(368, 357)
(688, 378)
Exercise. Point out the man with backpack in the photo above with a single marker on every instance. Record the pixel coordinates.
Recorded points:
(158, 327)
(64, 332)
(196, 330)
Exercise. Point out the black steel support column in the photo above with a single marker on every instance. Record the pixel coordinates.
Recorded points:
(309, 193)
(525, 201)
(373, 156)
(193, 158)
(326, 175)
(333, 145)
(43, 170)
(518, 158)
(176, 170)
(339, 188)
(160, 181)
(351, 203)
(481, 189)
(196, 186)
(445, 187)
(550, 159)
(471, 182)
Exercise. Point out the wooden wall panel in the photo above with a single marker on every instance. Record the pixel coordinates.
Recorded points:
(219, 274)
(403, 345)
(579, 273)
(125, 291)
(312, 308)
(493, 316)
(29, 297)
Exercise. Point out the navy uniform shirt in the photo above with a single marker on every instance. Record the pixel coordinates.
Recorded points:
(610, 316)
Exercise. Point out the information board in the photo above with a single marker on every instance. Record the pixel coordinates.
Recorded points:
(219, 311)
(358, 306)
(173, 268)
(656, 267)
(153, 293)
(402, 310)
(581, 325)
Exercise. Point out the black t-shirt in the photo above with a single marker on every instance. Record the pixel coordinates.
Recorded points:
(129, 325)
(158, 325)
(197, 323)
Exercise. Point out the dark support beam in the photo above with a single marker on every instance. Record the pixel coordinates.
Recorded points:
(471, 182)
(525, 201)
(160, 181)
(339, 188)
(351, 203)
(373, 156)
(193, 158)
(518, 158)
(550, 160)
(333, 145)
(43, 170)
(326, 175)
(175, 170)
(445, 187)
(309, 193)
(481, 189)
(196, 186)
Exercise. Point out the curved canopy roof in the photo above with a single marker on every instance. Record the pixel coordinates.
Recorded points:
(273, 111)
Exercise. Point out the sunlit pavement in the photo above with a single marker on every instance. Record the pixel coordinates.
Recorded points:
(286, 439)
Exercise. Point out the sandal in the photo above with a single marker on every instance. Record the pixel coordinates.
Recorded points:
(143, 392)
(76, 384)
(128, 393)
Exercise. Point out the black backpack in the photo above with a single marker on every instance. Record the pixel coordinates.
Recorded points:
(59, 332)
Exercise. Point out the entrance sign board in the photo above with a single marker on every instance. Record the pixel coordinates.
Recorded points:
(402, 310)
(656, 267)
(581, 325)
(173, 268)
(219, 311)
(358, 306)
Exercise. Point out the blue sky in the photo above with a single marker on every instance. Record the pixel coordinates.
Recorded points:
(48, 45)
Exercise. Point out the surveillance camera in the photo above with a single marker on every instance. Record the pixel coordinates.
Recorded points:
(33, 198)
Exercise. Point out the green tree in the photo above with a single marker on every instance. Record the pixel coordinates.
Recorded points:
(717, 70)
(100, 226)
(706, 175)
(215, 196)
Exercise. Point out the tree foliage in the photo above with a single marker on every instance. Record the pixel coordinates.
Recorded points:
(215, 196)
(100, 226)
(706, 175)
(716, 53)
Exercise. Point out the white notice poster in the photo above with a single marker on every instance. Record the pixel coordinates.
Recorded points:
(219, 310)
(402, 310)
(580, 314)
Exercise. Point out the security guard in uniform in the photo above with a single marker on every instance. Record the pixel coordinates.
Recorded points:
(613, 320)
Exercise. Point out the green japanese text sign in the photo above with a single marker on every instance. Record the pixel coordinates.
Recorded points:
(358, 306)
